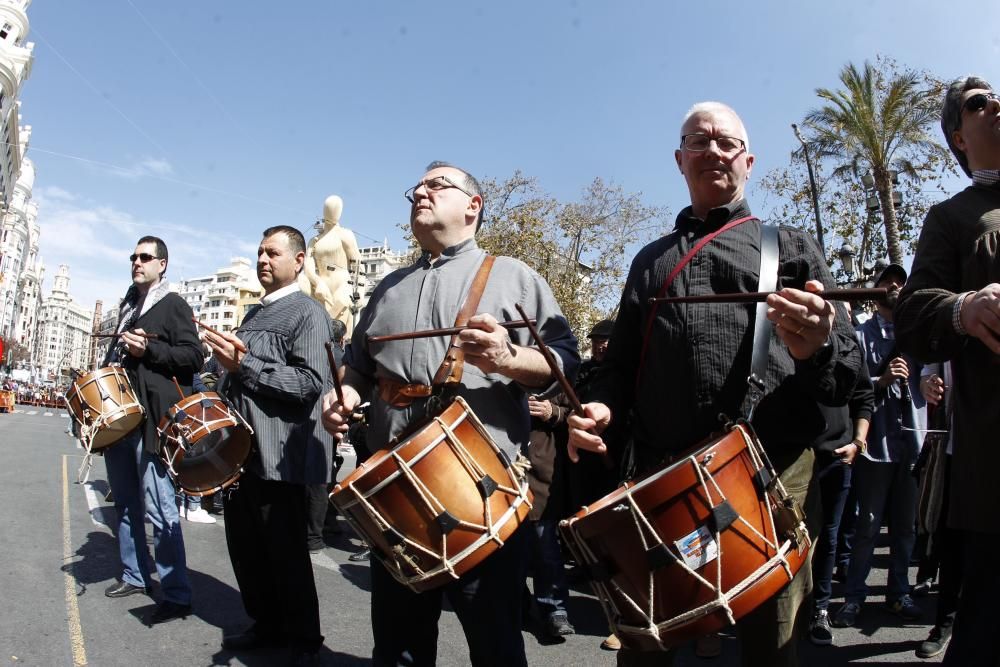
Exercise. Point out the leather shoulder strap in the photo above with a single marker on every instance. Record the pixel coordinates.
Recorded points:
(450, 370)
(767, 281)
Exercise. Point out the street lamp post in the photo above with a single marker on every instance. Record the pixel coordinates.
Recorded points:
(812, 189)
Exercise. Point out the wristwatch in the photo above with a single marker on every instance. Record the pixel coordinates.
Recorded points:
(861, 445)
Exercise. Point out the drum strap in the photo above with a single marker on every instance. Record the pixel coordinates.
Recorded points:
(670, 281)
(450, 370)
(763, 327)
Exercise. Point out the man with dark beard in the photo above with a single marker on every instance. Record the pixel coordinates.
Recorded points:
(883, 472)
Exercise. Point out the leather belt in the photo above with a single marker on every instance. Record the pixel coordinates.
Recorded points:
(401, 394)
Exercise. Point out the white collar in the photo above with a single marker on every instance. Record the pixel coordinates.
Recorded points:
(268, 299)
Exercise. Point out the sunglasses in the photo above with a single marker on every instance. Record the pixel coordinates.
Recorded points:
(979, 101)
(143, 257)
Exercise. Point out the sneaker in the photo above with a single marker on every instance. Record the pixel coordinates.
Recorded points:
(819, 629)
(708, 646)
(935, 643)
(906, 608)
(847, 615)
(922, 588)
(198, 516)
(557, 625)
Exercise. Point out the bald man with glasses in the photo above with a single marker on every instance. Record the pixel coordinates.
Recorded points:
(674, 369)
(949, 309)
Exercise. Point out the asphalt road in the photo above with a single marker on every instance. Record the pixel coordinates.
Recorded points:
(58, 554)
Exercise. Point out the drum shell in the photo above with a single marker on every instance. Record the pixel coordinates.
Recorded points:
(216, 443)
(399, 501)
(673, 501)
(104, 402)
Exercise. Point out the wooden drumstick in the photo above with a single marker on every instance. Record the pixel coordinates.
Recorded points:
(147, 336)
(336, 372)
(551, 361)
(449, 331)
(236, 343)
(178, 385)
(852, 294)
(559, 375)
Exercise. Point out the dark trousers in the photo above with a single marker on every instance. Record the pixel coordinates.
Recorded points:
(266, 534)
(976, 641)
(317, 503)
(548, 582)
(487, 601)
(834, 483)
(945, 556)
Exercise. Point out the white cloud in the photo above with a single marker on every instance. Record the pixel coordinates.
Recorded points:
(95, 240)
(154, 167)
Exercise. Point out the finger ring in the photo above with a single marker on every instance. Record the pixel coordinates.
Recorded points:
(800, 330)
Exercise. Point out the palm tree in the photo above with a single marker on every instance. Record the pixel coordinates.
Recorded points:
(879, 119)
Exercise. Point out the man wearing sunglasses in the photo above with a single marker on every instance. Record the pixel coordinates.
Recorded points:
(676, 368)
(950, 310)
(405, 382)
(157, 343)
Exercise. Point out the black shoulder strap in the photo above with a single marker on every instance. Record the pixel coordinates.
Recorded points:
(762, 328)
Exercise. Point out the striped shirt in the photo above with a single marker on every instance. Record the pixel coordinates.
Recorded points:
(278, 387)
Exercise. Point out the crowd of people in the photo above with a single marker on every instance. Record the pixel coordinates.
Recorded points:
(841, 409)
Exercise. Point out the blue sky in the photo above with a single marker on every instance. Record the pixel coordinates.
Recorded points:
(205, 121)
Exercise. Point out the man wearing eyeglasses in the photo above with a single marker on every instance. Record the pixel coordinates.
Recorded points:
(678, 368)
(139, 481)
(950, 310)
(403, 380)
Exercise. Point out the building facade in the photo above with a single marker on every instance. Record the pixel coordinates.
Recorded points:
(221, 299)
(62, 341)
(21, 269)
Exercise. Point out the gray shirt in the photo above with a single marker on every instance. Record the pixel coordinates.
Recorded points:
(429, 296)
(278, 388)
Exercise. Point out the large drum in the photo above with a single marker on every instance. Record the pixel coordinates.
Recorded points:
(439, 502)
(204, 443)
(690, 548)
(105, 405)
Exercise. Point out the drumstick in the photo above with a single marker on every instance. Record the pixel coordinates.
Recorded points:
(147, 336)
(560, 376)
(236, 343)
(551, 361)
(450, 331)
(852, 294)
(336, 373)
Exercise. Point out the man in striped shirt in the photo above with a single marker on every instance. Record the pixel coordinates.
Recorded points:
(277, 371)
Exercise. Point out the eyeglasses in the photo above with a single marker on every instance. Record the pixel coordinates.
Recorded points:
(142, 257)
(435, 184)
(698, 143)
(979, 101)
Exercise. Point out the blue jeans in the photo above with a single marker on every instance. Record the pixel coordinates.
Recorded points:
(551, 590)
(834, 482)
(883, 487)
(141, 487)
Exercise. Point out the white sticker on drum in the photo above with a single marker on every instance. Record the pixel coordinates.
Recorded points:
(698, 548)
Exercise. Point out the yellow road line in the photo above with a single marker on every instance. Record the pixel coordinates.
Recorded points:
(72, 609)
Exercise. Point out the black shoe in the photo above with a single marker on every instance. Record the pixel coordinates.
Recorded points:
(935, 643)
(168, 611)
(304, 659)
(249, 641)
(121, 589)
(557, 625)
(361, 556)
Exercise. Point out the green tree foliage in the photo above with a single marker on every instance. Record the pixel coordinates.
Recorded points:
(581, 248)
(879, 122)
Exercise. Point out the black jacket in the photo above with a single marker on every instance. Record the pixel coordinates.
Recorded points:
(175, 353)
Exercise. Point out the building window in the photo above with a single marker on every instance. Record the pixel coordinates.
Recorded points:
(5, 30)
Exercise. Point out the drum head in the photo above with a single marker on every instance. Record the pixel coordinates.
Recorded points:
(116, 431)
(214, 461)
